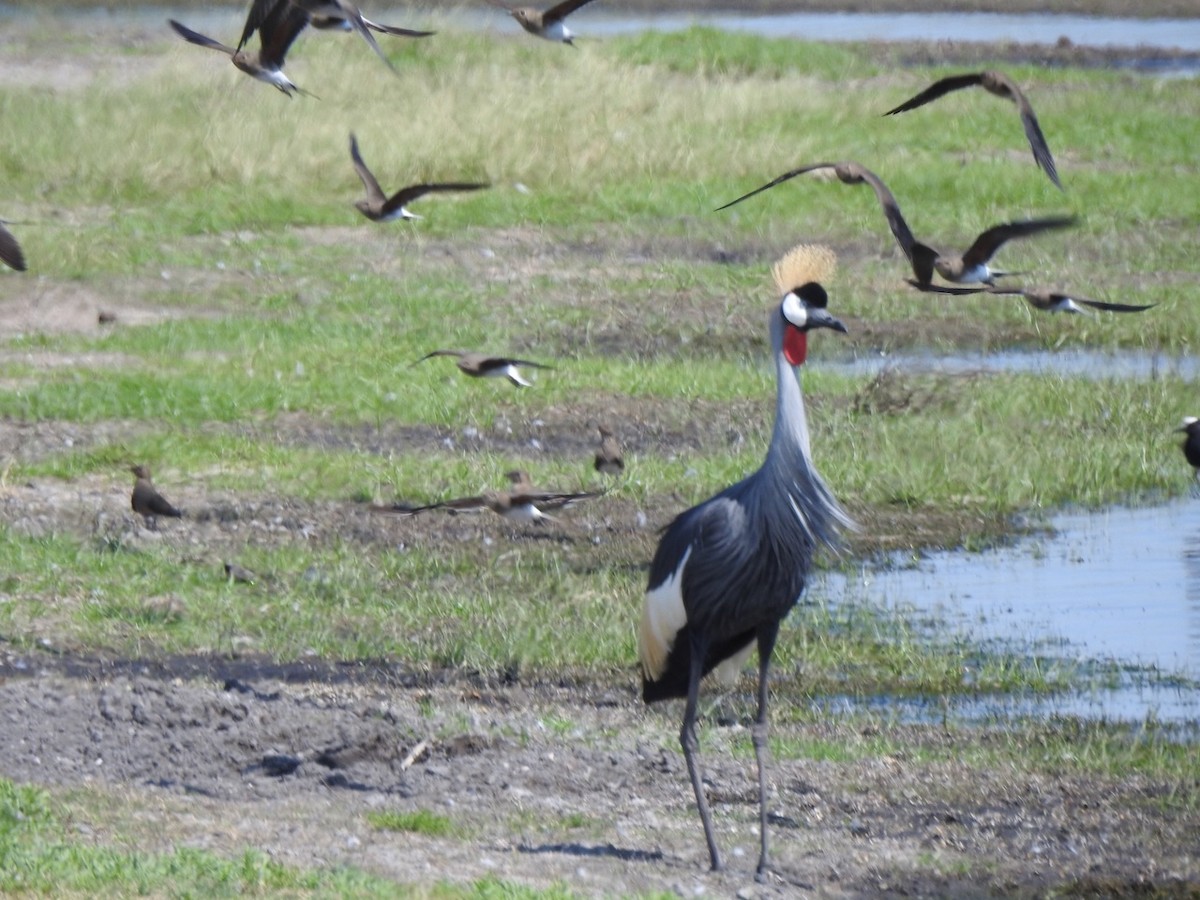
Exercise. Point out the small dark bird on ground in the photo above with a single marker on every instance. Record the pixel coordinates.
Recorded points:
(147, 502)
(378, 207)
(10, 250)
(728, 571)
(1191, 445)
(480, 365)
(608, 460)
(276, 33)
(972, 266)
(239, 574)
(1002, 86)
(1047, 301)
(548, 24)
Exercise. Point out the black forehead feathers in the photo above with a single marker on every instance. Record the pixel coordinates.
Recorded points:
(812, 294)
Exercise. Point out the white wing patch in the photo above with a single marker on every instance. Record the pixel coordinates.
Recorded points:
(728, 670)
(663, 616)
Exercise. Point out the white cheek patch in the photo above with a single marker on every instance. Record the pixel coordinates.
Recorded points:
(794, 311)
(663, 616)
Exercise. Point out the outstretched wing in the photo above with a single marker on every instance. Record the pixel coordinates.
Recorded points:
(374, 191)
(560, 11)
(1037, 140)
(10, 250)
(201, 40)
(936, 90)
(284, 22)
(986, 245)
(260, 11)
(408, 194)
(780, 180)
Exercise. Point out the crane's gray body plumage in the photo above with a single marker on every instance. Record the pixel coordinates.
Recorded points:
(747, 549)
(728, 571)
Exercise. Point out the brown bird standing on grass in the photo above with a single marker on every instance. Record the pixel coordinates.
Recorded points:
(147, 502)
(1002, 86)
(608, 460)
(480, 365)
(10, 250)
(549, 24)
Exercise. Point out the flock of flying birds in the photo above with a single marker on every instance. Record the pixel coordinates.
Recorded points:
(728, 570)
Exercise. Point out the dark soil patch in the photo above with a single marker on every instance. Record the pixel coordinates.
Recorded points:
(292, 759)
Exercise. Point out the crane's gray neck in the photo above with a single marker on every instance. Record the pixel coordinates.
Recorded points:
(788, 474)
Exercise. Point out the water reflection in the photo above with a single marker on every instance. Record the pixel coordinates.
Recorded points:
(1089, 31)
(1078, 363)
(1192, 565)
(1113, 595)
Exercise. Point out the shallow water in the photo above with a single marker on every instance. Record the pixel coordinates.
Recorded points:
(1069, 363)
(1113, 596)
(1089, 31)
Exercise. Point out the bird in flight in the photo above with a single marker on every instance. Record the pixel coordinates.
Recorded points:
(10, 250)
(276, 33)
(548, 24)
(1038, 298)
(1002, 86)
(522, 503)
(849, 172)
(379, 207)
(972, 266)
(327, 14)
(480, 365)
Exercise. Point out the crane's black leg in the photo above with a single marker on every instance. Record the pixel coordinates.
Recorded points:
(687, 739)
(766, 646)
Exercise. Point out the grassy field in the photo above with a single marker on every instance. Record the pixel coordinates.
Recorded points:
(261, 358)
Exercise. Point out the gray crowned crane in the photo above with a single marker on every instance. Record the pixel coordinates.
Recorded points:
(728, 571)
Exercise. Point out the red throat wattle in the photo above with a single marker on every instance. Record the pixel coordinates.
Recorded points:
(795, 345)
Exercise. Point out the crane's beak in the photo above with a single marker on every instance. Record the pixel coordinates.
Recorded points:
(819, 318)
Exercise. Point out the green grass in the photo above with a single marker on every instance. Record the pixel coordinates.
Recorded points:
(41, 854)
(173, 184)
(420, 821)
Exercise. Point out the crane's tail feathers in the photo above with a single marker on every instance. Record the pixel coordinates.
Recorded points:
(802, 264)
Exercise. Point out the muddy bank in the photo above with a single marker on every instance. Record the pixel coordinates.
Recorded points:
(576, 784)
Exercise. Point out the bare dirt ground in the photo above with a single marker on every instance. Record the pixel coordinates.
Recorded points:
(553, 783)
